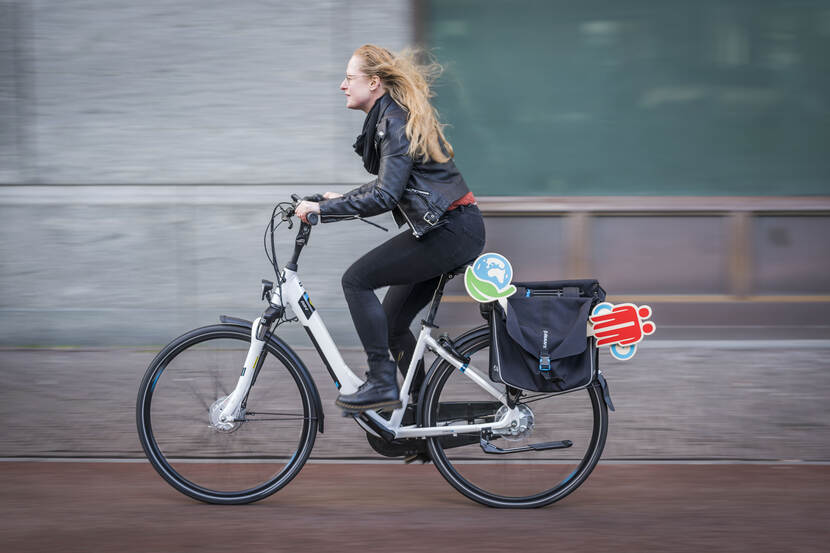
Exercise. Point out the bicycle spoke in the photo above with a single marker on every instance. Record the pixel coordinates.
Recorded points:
(219, 388)
(536, 397)
(199, 397)
(275, 416)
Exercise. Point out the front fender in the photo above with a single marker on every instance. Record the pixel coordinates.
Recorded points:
(277, 343)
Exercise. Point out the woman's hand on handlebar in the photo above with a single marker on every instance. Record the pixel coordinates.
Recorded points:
(304, 208)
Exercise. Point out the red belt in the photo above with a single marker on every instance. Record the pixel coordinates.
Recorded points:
(466, 199)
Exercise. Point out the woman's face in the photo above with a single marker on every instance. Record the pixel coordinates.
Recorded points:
(361, 90)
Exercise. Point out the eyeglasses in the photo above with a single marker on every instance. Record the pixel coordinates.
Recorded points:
(349, 78)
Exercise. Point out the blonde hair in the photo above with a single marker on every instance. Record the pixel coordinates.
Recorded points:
(408, 82)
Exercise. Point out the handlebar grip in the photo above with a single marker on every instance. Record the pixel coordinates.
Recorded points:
(295, 198)
(313, 218)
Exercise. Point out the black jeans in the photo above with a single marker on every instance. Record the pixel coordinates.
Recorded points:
(411, 268)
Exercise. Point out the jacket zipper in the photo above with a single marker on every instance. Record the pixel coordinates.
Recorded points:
(408, 220)
(425, 193)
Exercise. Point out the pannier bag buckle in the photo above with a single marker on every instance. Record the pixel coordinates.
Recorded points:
(546, 371)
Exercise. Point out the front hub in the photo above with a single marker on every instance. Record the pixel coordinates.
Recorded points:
(215, 412)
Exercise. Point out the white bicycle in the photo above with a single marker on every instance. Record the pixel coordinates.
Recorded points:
(222, 437)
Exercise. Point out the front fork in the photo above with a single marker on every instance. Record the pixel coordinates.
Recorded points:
(233, 409)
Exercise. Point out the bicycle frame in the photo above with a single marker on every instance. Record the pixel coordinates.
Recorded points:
(295, 296)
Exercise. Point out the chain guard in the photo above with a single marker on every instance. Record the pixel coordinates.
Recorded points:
(406, 447)
(409, 447)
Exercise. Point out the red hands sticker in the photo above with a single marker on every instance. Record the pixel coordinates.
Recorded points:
(621, 327)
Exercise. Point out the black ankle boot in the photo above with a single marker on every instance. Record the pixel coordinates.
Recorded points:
(379, 391)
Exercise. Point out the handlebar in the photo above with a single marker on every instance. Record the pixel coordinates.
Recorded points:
(313, 218)
(286, 212)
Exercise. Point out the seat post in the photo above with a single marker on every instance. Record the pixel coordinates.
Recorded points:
(436, 299)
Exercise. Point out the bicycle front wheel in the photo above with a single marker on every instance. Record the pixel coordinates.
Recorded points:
(238, 462)
(576, 421)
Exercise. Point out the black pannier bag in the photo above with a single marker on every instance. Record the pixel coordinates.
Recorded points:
(539, 343)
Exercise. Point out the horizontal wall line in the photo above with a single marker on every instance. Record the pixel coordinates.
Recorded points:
(268, 194)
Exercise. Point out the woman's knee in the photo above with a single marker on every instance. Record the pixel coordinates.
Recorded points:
(353, 279)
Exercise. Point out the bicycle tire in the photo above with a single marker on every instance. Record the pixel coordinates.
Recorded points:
(500, 470)
(180, 373)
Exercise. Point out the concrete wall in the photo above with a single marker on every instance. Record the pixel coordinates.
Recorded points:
(186, 92)
(136, 265)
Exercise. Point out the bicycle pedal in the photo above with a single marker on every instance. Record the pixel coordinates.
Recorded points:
(423, 457)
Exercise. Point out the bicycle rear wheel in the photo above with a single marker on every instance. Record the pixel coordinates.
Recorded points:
(577, 421)
(239, 462)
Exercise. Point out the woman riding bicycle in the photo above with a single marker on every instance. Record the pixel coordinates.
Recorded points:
(403, 144)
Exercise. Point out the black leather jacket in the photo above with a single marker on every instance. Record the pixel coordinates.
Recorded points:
(418, 192)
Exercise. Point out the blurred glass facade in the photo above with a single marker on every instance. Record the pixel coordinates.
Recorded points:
(600, 97)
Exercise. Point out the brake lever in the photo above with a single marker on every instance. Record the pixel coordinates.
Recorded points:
(286, 218)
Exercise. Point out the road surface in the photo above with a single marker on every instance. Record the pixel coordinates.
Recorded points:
(125, 506)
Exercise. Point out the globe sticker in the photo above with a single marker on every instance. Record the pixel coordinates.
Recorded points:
(488, 278)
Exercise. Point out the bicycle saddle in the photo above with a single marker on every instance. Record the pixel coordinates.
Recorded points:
(460, 269)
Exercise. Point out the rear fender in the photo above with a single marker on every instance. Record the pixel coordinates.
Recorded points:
(606, 391)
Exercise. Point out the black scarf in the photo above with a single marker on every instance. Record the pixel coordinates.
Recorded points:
(364, 146)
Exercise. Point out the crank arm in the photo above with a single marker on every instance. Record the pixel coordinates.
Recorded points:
(487, 447)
